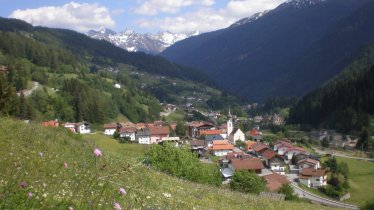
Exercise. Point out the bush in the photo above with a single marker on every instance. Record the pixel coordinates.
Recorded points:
(287, 190)
(181, 162)
(124, 139)
(248, 182)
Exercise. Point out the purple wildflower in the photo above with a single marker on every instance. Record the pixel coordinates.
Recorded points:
(122, 191)
(30, 194)
(23, 185)
(98, 153)
(70, 208)
(117, 206)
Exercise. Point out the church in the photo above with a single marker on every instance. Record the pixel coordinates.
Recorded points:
(233, 134)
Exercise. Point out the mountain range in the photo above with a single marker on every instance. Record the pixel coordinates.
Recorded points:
(287, 51)
(134, 42)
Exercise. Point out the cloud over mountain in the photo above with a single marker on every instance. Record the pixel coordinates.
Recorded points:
(77, 16)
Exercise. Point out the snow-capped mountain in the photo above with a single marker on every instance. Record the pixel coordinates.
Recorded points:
(249, 19)
(134, 42)
(301, 3)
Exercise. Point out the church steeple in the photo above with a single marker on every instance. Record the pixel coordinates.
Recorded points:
(230, 126)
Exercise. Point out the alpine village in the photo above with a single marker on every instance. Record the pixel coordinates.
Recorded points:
(274, 110)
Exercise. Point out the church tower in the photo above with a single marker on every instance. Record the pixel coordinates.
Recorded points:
(230, 125)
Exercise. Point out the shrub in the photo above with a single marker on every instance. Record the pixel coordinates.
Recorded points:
(248, 182)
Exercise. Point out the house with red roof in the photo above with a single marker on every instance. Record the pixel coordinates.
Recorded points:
(258, 147)
(255, 134)
(274, 161)
(221, 148)
(195, 127)
(293, 151)
(281, 146)
(249, 146)
(313, 177)
(250, 164)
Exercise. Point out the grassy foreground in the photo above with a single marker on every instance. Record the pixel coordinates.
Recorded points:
(46, 168)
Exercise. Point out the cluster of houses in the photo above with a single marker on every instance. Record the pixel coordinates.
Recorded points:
(143, 133)
(273, 163)
(80, 127)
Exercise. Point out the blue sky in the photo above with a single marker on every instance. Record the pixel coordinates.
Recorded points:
(179, 16)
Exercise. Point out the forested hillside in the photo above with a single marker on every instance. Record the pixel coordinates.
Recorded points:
(288, 51)
(345, 103)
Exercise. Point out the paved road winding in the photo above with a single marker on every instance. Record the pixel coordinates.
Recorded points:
(314, 198)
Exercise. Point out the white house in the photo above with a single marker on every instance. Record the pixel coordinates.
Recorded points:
(293, 151)
(312, 177)
(221, 148)
(83, 128)
(144, 136)
(308, 163)
(236, 135)
(128, 132)
(109, 129)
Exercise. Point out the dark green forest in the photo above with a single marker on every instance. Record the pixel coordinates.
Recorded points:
(78, 92)
(345, 103)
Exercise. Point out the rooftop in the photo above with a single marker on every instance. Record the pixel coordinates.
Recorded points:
(247, 164)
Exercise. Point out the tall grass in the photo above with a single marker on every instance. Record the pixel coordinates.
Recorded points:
(48, 168)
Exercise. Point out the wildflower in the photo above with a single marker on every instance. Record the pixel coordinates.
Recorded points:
(65, 164)
(30, 194)
(70, 208)
(98, 153)
(122, 191)
(117, 206)
(23, 185)
(40, 154)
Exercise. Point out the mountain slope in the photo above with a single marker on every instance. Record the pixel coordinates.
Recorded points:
(345, 103)
(134, 42)
(286, 52)
(60, 171)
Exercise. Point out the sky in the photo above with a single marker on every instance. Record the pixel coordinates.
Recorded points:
(177, 16)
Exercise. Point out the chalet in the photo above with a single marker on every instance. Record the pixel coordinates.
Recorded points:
(293, 151)
(275, 181)
(258, 147)
(308, 163)
(210, 138)
(236, 135)
(313, 177)
(195, 127)
(129, 132)
(197, 146)
(214, 132)
(281, 146)
(221, 148)
(110, 129)
(158, 132)
(274, 161)
(52, 123)
(143, 136)
(70, 126)
(174, 140)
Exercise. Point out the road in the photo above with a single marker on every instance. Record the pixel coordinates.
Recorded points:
(337, 154)
(28, 92)
(314, 198)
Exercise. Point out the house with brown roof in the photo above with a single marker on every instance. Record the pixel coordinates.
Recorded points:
(293, 151)
(258, 147)
(195, 127)
(250, 164)
(255, 134)
(221, 148)
(144, 136)
(157, 133)
(275, 181)
(129, 132)
(308, 163)
(110, 129)
(274, 161)
(313, 177)
(249, 146)
(281, 146)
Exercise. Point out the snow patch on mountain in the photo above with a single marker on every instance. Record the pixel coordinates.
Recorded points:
(132, 41)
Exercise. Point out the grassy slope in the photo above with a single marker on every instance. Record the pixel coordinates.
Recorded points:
(361, 178)
(56, 187)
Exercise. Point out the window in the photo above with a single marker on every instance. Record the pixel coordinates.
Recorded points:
(317, 180)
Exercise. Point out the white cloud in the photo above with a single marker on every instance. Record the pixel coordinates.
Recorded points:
(208, 19)
(153, 7)
(76, 16)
